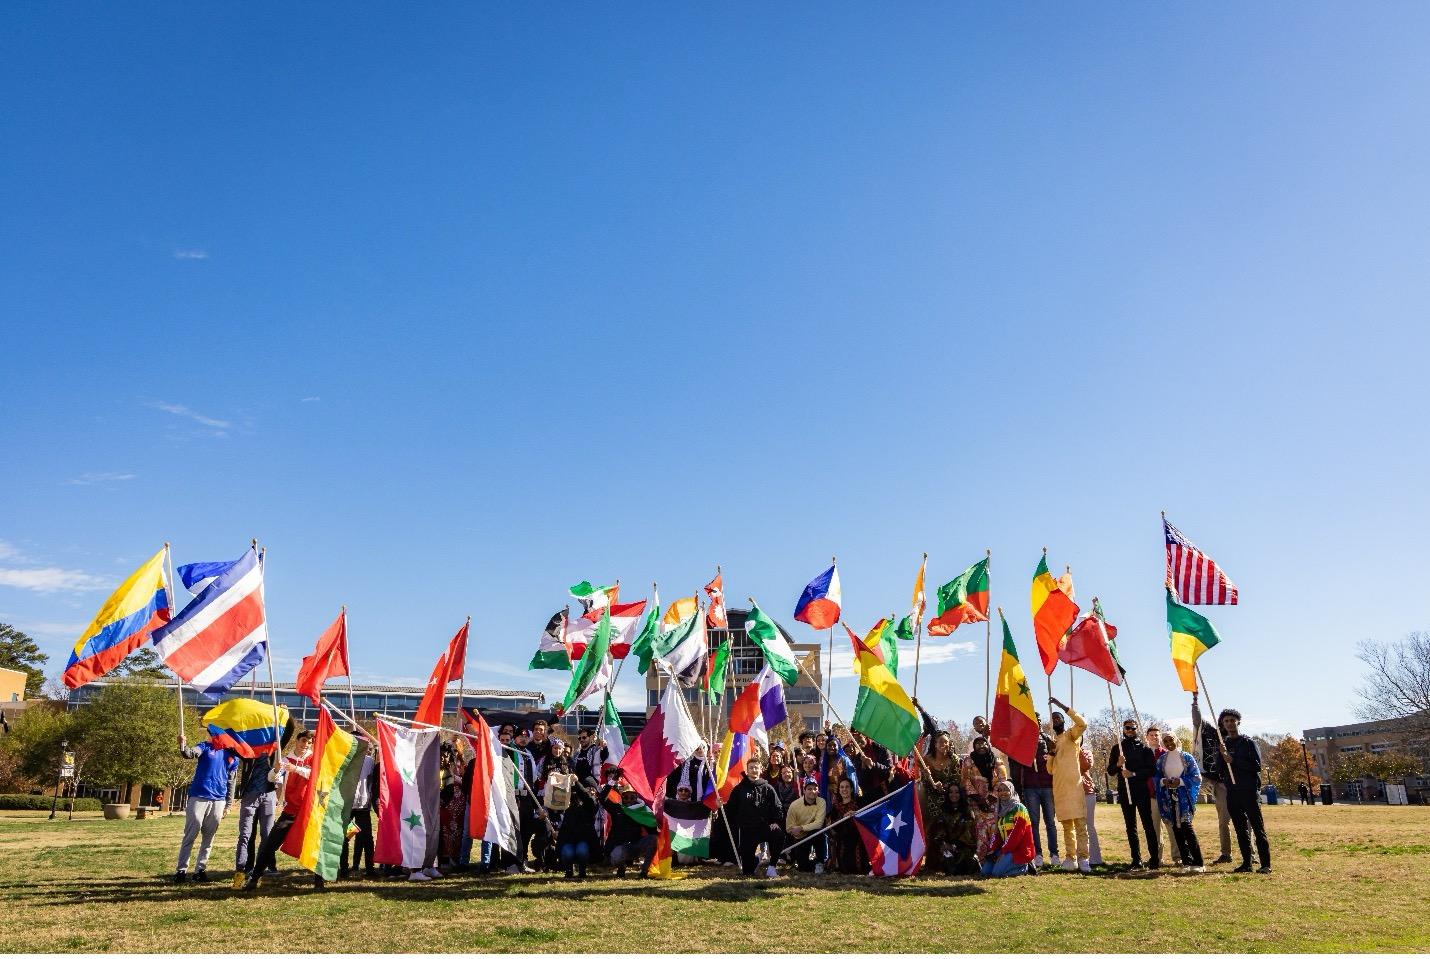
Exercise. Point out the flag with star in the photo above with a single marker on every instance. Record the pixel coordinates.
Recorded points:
(316, 836)
(893, 833)
(1015, 724)
(407, 827)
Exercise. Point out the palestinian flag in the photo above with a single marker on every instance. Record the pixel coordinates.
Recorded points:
(689, 826)
(1192, 635)
(883, 711)
(316, 837)
(910, 623)
(551, 650)
(643, 646)
(1054, 612)
(595, 598)
(491, 813)
(407, 824)
(765, 634)
(1015, 725)
(594, 669)
(1088, 645)
(963, 599)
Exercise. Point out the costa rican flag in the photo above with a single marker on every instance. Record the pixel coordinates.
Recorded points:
(1193, 575)
(893, 833)
(222, 634)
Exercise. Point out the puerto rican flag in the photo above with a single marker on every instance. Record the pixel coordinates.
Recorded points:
(893, 834)
(222, 634)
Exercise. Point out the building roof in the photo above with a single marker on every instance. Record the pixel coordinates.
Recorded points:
(1358, 729)
(359, 688)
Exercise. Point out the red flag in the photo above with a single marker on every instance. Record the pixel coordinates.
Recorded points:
(715, 617)
(1085, 646)
(448, 668)
(330, 658)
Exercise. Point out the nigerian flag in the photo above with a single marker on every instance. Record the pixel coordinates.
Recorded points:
(593, 671)
(765, 634)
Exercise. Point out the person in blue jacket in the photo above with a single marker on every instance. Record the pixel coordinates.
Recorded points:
(1178, 783)
(207, 804)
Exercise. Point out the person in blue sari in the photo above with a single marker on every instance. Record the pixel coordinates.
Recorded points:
(1179, 781)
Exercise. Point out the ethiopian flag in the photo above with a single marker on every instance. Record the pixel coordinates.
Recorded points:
(883, 711)
(1192, 635)
(1054, 612)
(1015, 724)
(316, 837)
(963, 599)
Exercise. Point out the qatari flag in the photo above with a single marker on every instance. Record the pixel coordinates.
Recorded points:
(1193, 575)
(669, 738)
(407, 826)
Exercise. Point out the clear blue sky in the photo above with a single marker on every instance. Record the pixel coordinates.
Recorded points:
(452, 307)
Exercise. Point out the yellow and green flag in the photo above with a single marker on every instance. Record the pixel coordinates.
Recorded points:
(316, 837)
(1192, 635)
(883, 711)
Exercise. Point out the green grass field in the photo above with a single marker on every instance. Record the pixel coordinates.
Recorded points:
(1346, 879)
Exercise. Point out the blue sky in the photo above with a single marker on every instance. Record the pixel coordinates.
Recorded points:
(452, 308)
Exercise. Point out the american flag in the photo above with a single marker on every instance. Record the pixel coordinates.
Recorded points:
(1195, 576)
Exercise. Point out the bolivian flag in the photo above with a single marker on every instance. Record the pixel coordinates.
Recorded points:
(1015, 725)
(883, 711)
(1192, 635)
(316, 837)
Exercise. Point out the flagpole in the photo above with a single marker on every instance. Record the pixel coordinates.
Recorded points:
(800, 666)
(1226, 757)
(881, 799)
(719, 803)
(461, 683)
(173, 584)
(918, 634)
(988, 643)
(829, 679)
(268, 651)
(352, 703)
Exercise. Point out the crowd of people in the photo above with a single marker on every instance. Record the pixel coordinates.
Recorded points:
(983, 813)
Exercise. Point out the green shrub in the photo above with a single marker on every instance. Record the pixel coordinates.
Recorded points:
(17, 801)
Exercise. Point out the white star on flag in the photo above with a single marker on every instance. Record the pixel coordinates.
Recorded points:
(895, 823)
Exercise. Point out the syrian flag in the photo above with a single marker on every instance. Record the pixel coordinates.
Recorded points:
(686, 659)
(893, 833)
(689, 825)
(669, 738)
(612, 733)
(407, 826)
(221, 635)
(490, 813)
(552, 650)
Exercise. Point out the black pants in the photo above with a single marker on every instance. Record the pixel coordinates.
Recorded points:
(1244, 807)
(811, 853)
(361, 843)
(1141, 807)
(750, 839)
(268, 852)
(1187, 844)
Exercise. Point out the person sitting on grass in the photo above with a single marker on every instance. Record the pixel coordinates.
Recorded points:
(630, 839)
(804, 816)
(1012, 852)
(1179, 781)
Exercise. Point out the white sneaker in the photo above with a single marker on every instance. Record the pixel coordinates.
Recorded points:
(418, 876)
(819, 869)
(1083, 866)
(1199, 868)
(1068, 865)
(1038, 861)
(527, 869)
(770, 872)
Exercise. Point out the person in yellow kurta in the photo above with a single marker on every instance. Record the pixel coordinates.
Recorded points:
(1068, 801)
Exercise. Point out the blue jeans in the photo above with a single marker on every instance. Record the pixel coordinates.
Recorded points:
(578, 853)
(1002, 867)
(1039, 800)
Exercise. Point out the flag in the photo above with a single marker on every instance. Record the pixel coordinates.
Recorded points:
(771, 639)
(196, 577)
(662, 858)
(963, 599)
(491, 812)
(893, 833)
(1015, 724)
(1088, 645)
(593, 670)
(643, 646)
(686, 658)
(625, 617)
(715, 617)
(716, 675)
(883, 711)
(1194, 575)
(407, 824)
(611, 733)
(772, 698)
(316, 837)
(669, 738)
(910, 623)
(689, 826)
(1111, 636)
(552, 651)
(888, 644)
(1192, 635)
(140, 605)
(743, 730)
(595, 598)
(1054, 612)
(246, 726)
(222, 634)
(819, 603)
(450, 666)
(679, 611)
(330, 658)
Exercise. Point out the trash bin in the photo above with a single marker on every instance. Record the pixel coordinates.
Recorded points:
(1272, 797)
(1327, 797)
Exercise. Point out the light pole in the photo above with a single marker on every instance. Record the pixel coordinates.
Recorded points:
(59, 780)
(1310, 789)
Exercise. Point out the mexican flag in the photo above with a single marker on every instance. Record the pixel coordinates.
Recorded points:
(551, 650)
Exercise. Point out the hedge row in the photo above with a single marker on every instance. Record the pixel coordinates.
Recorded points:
(19, 801)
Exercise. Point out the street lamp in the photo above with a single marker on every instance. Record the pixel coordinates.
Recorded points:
(59, 780)
(1310, 789)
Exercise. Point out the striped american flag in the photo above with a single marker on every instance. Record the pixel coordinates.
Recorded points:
(1195, 576)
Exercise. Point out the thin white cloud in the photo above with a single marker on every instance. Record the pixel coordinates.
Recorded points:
(218, 427)
(310, 399)
(191, 254)
(95, 479)
(931, 656)
(50, 579)
(9, 551)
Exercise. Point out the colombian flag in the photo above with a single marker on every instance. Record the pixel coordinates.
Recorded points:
(316, 837)
(138, 606)
(1192, 635)
(1015, 725)
(246, 726)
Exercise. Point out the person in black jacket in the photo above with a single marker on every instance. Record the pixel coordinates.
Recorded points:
(755, 811)
(628, 839)
(576, 840)
(1134, 765)
(876, 765)
(1243, 798)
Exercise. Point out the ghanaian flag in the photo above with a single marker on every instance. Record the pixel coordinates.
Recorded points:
(1015, 725)
(316, 837)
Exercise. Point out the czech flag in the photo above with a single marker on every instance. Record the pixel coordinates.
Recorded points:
(819, 604)
(893, 833)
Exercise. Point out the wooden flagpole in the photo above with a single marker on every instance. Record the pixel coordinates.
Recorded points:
(1040, 649)
(1225, 756)
(268, 641)
(462, 682)
(1071, 672)
(174, 585)
(988, 645)
(347, 654)
(881, 799)
(918, 631)
(829, 673)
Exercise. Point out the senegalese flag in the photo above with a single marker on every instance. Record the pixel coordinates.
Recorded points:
(1054, 612)
(963, 599)
(594, 669)
(1015, 726)
(643, 646)
(1192, 635)
(316, 836)
(883, 711)
(910, 623)
(719, 668)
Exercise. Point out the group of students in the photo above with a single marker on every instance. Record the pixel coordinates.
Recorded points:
(983, 813)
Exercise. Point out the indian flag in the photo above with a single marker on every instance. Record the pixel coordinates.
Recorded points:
(316, 837)
(1015, 725)
(765, 634)
(1192, 635)
(884, 711)
(910, 623)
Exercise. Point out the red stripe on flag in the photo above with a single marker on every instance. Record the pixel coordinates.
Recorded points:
(225, 632)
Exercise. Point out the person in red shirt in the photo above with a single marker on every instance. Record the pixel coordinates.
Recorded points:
(296, 767)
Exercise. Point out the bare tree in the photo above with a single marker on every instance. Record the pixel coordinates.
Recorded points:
(1397, 682)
